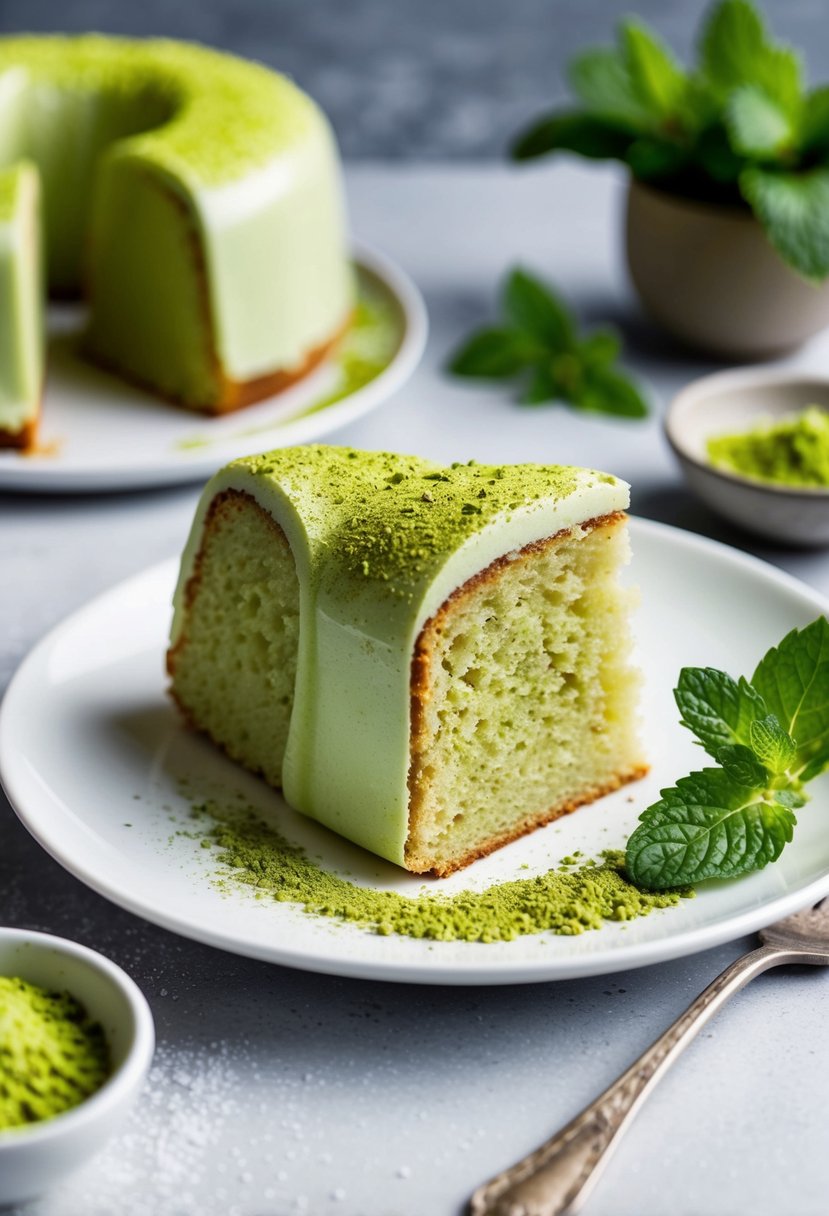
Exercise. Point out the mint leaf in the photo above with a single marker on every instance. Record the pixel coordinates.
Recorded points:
(657, 79)
(733, 40)
(602, 81)
(734, 51)
(601, 347)
(814, 133)
(793, 679)
(772, 746)
(794, 210)
(495, 353)
(596, 138)
(738, 129)
(726, 821)
(699, 106)
(540, 339)
(541, 388)
(717, 158)
(568, 376)
(780, 74)
(740, 764)
(535, 309)
(716, 708)
(651, 158)
(757, 125)
(791, 796)
(707, 826)
(606, 391)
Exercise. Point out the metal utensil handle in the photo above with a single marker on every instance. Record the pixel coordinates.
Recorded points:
(557, 1176)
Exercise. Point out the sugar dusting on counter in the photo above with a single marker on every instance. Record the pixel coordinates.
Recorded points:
(182, 1143)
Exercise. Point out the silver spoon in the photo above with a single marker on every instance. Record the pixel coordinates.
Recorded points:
(556, 1178)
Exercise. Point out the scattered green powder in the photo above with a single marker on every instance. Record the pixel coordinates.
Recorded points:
(791, 452)
(251, 854)
(52, 1056)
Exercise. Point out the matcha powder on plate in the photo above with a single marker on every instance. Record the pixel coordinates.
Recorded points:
(564, 901)
(52, 1056)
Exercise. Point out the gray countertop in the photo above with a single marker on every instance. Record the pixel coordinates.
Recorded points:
(415, 79)
(278, 1092)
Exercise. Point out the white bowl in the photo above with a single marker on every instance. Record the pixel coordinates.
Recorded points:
(35, 1157)
(734, 401)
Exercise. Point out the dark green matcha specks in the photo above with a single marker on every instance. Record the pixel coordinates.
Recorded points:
(393, 519)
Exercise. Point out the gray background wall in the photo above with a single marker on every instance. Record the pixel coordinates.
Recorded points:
(414, 79)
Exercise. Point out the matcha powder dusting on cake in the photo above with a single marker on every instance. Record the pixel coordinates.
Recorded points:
(249, 853)
(52, 1056)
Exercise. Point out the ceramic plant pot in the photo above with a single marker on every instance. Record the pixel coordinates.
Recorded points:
(709, 276)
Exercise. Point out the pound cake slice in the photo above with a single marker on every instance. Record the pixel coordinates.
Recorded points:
(431, 661)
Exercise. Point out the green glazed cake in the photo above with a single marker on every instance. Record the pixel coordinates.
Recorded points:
(194, 198)
(21, 307)
(431, 661)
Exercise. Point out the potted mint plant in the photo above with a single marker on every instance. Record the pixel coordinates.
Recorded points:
(728, 205)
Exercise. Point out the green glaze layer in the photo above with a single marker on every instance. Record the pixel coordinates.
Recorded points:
(380, 541)
(21, 302)
(243, 160)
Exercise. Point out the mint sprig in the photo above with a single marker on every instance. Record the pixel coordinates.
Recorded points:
(539, 344)
(769, 736)
(739, 127)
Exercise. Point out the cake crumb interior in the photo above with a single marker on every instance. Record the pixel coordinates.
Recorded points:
(234, 668)
(523, 697)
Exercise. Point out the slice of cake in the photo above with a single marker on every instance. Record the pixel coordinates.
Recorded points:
(21, 308)
(431, 661)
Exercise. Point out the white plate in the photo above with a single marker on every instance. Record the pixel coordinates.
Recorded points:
(100, 433)
(89, 743)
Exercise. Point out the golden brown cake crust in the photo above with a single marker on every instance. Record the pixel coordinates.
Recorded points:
(22, 440)
(235, 394)
(420, 684)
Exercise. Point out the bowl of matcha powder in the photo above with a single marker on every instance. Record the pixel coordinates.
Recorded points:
(754, 446)
(76, 1042)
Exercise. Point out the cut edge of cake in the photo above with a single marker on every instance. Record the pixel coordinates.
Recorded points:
(419, 857)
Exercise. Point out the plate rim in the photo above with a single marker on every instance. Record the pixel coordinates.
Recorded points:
(26, 475)
(430, 970)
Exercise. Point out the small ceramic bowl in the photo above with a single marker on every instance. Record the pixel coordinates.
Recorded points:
(35, 1157)
(734, 401)
(710, 277)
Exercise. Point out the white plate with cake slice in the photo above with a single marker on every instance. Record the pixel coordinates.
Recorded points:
(102, 772)
(100, 433)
